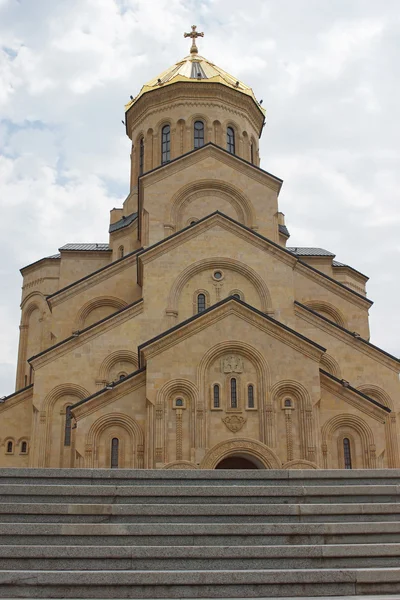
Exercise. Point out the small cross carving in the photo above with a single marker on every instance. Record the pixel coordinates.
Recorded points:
(193, 34)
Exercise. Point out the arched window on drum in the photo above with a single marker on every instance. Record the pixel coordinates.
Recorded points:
(165, 144)
(230, 140)
(198, 134)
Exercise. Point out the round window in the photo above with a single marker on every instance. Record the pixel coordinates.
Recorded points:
(217, 275)
(179, 402)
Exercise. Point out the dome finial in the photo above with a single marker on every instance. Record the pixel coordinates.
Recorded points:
(193, 34)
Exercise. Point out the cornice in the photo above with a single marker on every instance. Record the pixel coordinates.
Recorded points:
(92, 279)
(346, 336)
(360, 277)
(194, 156)
(105, 396)
(219, 311)
(16, 398)
(332, 285)
(351, 396)
(184, 93)
(46, 261)
(82, 337)
(215, 219)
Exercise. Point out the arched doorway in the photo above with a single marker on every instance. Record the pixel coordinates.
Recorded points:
(236, 462)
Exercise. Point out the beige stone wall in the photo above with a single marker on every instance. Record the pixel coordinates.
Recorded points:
(122, 341)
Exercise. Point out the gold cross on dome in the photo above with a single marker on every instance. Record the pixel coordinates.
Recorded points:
(193, 34)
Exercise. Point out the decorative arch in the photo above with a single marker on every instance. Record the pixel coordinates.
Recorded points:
(326, 309)
(65, 389)
(112, 359)
(300, 464)
(263, 384)
(303, 413)
(220, 262)
(34, 334)
(180, 464)
(217, 131)
(329, 364)
(241, 447)
(377, 393)
(34, 301)
(189, 392)
(359, 426)
(50, 419)
(391, 430)
(84, 312)
(239, 202)
(107, 421)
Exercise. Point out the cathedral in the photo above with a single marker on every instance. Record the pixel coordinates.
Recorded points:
(197, 338)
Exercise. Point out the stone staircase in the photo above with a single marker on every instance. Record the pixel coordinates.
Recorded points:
(77, 533)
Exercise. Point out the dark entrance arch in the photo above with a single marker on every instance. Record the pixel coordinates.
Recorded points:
(236, 462)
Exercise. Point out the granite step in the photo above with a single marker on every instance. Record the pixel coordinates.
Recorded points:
(203, 534)
(196, 477)
(96, 558)
(203, 513)
(198, 583)
(199, 494)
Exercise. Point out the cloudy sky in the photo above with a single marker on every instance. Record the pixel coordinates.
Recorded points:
(327, 70)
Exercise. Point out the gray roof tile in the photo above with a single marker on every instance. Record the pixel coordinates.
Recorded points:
(124, 222)
(302, 251)
(86, 247)
(284, 230)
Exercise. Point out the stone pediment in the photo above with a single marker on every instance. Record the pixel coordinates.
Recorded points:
(220, 155)
(226, 310)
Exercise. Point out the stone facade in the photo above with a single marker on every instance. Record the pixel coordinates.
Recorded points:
(196, 335)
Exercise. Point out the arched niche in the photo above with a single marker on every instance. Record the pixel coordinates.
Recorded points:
(97, 309)
(120, 361)
(200, 198)
(224, 361)
(330, 365)
(328, 311)
(291, 422)
(354, 428)
(262, 298)
(175, 421)
(53, 415)
(99, 440)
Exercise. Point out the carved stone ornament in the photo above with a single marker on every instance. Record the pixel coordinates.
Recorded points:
(232, 364)
(234, 422)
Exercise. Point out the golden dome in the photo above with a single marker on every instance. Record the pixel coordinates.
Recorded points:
(195, 68)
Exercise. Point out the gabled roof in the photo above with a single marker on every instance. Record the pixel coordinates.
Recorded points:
(76, 334)
(265, 239)
(17, 393)
(215, 307)
(353, 334)
(78, 281)
(220, 149)
(110, 386)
